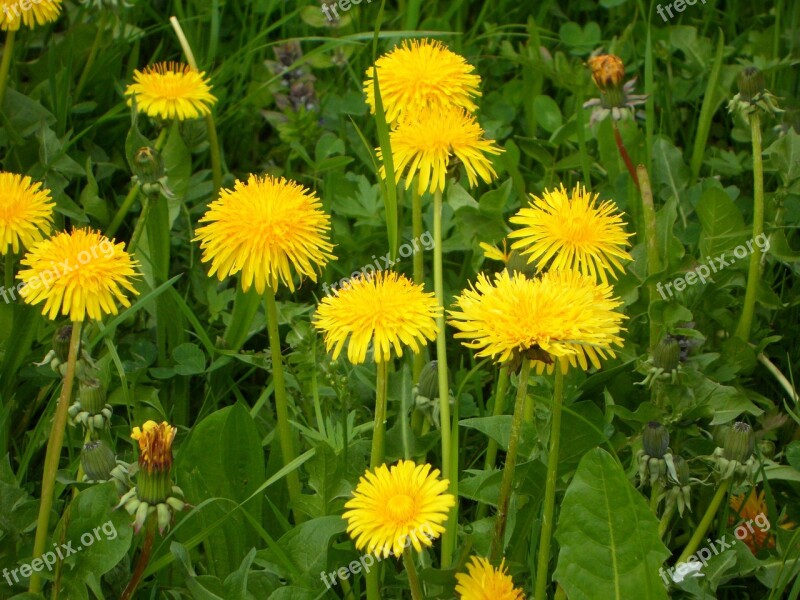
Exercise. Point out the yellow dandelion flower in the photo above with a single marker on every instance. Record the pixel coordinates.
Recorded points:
(13, 14)
(265, 228)
(171, 90)
(155, 445)
(26, 212)
(483, 582)
(494, 253)
(421, 74)
(572, 233)
(426, 142)
(398, 507)
(561, 314)
(386, 310)
(82, 274)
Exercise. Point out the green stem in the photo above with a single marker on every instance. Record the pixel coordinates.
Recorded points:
(373, 585)
(9, 270)
(144, 558)
(491, 447)
(137, 230)
(419, 265)
(379, 433)
(285, 434)
(550, 487)
(441, 358)
(132, 194)
(651, 241)
(705, 523)
(8, 52)
(663, 524)
(53, 453)
(655, 492)
(511, 464)
(413, 577)
(754, 270)
(216, 157)
(101, 25)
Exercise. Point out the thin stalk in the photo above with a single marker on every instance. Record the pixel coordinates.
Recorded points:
(285, 435)
(53, 453)
(651, 242)
(144, 558)
(550, 487)
(101, 25)
(511, 463)
(5, 66)
(655, 492)
(441, 361)
(413, 577)
(754, 270)
(122, 211)
(213, 139)
(663, 524)
(623, 152)
(491, 447)
(9, 270)
(137, 230)
(705, 523)
(419, 265)
(776, 373)
(379, 432)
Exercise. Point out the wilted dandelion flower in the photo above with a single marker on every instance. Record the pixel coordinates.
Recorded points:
(395, 508)
(13, 15)
(561, 314)
(572, 232)
(386, 310)
(26, 212)
(266, 229)
(171, 90)
(80, 274)
(425, 143)
(422, 74)
(483, 582)
(616, 99)
(608, 71)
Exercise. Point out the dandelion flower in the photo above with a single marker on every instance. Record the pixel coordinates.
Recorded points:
(155, 445)
(572, 233)
(608, 70)
(171, 90)
(266, 228)
(753, 511)
(616, 99)
(561, 314)
(26, 212)
(81, 274)
(13, 16)
(385, 309)
(426, 143)
(394, 508)
(484, 582)
(421, 74)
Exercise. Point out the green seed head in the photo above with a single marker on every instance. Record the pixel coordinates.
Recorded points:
(739, 443)
(655, 439)
(751, 84)
(97, 460)
(667, 354)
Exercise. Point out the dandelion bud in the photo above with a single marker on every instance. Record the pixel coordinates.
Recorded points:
(92, 396)
(751, 84)
(97, 460)
(61, 340)
(148, 165)
(667, 354)
(608, 71)
(655, 439)
(428, 386)
(681, 470)
(739, 443)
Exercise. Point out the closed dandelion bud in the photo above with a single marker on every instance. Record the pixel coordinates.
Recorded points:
(667, 354)
(154, 479)
(148, 165)
(739, 443)
(92, 396)
(608, 71)
(97, 460)
(518, 263)
(655, 439)
(428, 386)
(61, 340)
(681, 470)
(751, 84)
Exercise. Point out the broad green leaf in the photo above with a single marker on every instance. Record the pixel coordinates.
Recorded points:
(547, 113)
(723, 225)
(608, 538)
(306, 545)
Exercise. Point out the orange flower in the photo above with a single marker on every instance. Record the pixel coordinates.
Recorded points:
(751, 520)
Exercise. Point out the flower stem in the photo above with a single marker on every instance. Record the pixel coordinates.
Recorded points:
(651, 242)
(491, 447)
(511, 464)
(655, 492)
(53, 453)
(754, 270)
(705, 522)
(285, 434)
(137, 230)
(665, 519)
(101, 26)
(441, 358)
(419, 265)
(379, 433)
(413, 577)
(8, 52)
(9, 270)
(550, 487)
(623, 152)
(144, 558)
